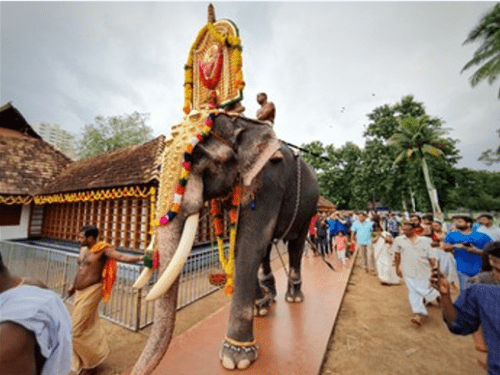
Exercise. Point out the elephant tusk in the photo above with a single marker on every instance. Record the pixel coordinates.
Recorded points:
(144, 277)
(179, 259)
(147, 273)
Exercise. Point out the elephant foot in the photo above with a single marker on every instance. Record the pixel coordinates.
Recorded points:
(269, 283)
(234, 354)
(294, 292)
(262, 306)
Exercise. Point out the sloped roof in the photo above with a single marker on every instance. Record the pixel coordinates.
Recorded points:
(27, 164)
(11, 118)
(325, 203)
(131, 165)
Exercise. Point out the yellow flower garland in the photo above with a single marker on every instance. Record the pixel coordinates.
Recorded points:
(15, 199)
(95, 195)
(85, 196)
(227, 264)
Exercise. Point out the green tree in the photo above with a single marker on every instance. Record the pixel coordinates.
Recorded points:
(400, 184)
(487, 56)
(491, 156)
(416, 139)
(109, 133)
(476, 190)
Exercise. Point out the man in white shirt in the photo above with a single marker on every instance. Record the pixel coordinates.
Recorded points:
(413, 256)
(487, 227)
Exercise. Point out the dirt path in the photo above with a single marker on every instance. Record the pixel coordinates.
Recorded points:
(373, 335)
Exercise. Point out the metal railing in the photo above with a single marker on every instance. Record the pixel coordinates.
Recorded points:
(126, 307)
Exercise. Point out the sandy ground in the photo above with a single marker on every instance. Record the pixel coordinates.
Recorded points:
(373, 335)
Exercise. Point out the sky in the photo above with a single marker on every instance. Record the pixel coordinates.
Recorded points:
(325, 65)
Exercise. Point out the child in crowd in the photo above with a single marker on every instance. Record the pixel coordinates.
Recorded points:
(341, 246)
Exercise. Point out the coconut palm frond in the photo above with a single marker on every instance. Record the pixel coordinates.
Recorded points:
(397, 138)
(399, 158)
(485, 71)
(441, 143)
(431, 150)
(411, 124)
(487, 57)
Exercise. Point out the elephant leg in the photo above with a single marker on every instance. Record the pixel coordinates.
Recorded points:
(295, 249)
(239, 349)
(266, 287)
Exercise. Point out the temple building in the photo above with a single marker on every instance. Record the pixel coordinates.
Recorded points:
(27, 163)
(43, 193)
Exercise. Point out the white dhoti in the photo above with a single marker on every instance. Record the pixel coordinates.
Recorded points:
(447, 265)
(420, 292)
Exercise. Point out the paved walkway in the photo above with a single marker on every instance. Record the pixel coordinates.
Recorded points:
(292, 338)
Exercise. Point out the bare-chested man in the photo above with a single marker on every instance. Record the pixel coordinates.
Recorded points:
(267, 110)
(93, 282)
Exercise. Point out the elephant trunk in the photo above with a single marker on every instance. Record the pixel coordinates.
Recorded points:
(173, 250)
(165, 305)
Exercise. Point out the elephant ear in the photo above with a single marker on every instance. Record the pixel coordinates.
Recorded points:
(256, 144)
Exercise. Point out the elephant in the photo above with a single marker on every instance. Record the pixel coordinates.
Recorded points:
(282, 195)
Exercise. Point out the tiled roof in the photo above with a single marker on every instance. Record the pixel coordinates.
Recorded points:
(27, 164)
(11, 118)
(131, 165)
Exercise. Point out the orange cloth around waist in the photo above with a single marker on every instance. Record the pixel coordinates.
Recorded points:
(108, 273)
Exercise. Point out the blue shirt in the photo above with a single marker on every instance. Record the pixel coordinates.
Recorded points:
(392, 226)
(468, 263)
(478, 306)
(363, 232)
(335, 227)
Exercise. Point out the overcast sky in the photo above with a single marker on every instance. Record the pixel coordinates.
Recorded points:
(70, 62)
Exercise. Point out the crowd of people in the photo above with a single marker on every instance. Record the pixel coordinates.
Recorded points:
(433, 259)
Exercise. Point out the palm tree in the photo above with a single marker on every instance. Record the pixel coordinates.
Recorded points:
(487, 56)
(416, 139)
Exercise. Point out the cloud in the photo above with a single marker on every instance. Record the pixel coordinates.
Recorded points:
(69, 62)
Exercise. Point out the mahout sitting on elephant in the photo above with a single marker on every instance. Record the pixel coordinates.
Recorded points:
(279, 198)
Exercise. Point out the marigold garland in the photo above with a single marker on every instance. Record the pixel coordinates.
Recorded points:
(95, 195)
(227, 264)
(15, 199)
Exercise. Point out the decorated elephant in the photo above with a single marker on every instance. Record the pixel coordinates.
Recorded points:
(278, 199)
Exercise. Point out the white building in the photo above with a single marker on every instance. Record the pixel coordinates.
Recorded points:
(58, 137)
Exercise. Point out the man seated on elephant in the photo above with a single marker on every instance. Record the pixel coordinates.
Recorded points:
(267, 110)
